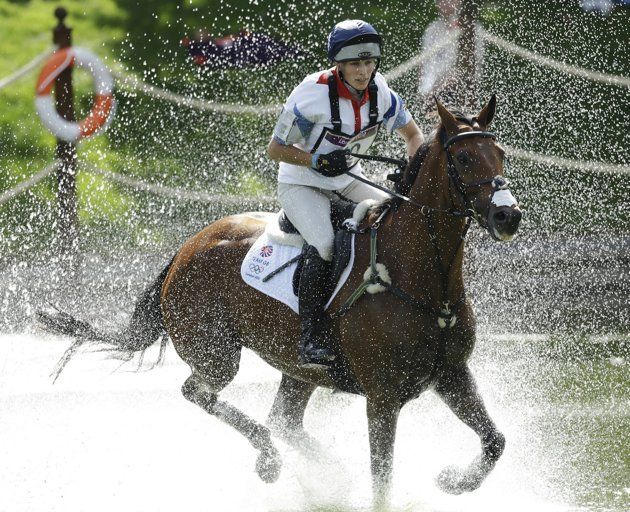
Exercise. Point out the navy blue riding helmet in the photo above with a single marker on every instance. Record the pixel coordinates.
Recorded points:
(354, 40)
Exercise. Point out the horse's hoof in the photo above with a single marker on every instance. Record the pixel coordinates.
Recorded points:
(449, 480)
(268, 465)
(454, 480)
(493, 447)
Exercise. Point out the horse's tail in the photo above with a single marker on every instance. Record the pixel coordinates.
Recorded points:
(145, 327)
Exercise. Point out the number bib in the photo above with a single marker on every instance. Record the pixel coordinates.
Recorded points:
(330, 141)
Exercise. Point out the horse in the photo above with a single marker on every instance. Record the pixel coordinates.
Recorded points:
(416, 334)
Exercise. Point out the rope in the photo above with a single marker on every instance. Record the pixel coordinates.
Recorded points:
(133, 83)
(24, 70)
(188, 195)
(33, 180)
(176, 193)
(567, 163)
(594, 76)
(392, 75)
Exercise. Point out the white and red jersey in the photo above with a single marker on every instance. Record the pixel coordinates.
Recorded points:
(306, 122)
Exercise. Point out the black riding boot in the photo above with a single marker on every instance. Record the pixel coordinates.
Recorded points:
(315, 341)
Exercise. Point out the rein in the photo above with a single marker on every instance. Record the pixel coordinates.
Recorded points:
(498, 182)
(401, 163)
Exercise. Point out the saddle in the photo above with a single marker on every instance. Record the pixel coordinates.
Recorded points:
(280, 247)
(340, 210)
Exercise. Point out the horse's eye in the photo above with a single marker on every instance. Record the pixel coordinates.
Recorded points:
(463, 158)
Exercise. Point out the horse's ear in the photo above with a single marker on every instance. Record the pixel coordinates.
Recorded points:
(487, 113)
(448, 120)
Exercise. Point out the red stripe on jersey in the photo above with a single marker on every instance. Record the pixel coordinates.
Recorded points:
(344, 92)
(323, 78)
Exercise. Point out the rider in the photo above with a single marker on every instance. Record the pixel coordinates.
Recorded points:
(329, 115)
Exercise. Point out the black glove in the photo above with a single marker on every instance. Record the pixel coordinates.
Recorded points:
(332, 164)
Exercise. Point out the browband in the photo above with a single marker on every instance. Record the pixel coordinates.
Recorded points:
(467, 135)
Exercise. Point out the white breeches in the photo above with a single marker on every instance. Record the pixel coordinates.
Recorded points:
(308, 209)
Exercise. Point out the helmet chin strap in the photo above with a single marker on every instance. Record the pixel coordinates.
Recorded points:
(357, 92)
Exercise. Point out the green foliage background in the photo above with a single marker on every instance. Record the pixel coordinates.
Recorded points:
(539, 110)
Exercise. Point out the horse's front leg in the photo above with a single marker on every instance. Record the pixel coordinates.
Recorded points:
(382, 420)
(456, 386)
(287, 414)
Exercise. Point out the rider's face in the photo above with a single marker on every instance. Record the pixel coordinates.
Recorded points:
(358, 72)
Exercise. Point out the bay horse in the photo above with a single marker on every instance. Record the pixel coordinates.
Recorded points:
(418, 333)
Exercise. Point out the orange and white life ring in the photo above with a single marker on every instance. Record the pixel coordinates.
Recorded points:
(103, 108)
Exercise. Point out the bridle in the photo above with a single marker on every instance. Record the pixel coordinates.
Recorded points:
(452, 171)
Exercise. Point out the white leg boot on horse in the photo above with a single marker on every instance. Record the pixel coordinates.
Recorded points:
(316, 341)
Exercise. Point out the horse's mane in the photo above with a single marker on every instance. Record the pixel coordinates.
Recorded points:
(437, 135)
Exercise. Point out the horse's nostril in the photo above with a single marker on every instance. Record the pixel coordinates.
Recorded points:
(517, 214)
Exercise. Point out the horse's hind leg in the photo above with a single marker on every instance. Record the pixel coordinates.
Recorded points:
(202, 389)
(456, 386)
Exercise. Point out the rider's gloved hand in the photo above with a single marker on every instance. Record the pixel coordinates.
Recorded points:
(331, 164)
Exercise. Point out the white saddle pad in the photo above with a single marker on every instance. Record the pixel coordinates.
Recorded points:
(266, 255)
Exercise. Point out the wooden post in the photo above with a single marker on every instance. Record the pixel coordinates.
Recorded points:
(66, 151)
(466, 56)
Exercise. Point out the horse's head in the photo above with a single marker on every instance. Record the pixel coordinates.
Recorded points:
(475, 169)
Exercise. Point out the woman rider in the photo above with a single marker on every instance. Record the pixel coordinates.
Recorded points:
(328, 116)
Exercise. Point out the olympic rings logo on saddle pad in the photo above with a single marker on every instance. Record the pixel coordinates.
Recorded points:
(256, 269)
(104, 105)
